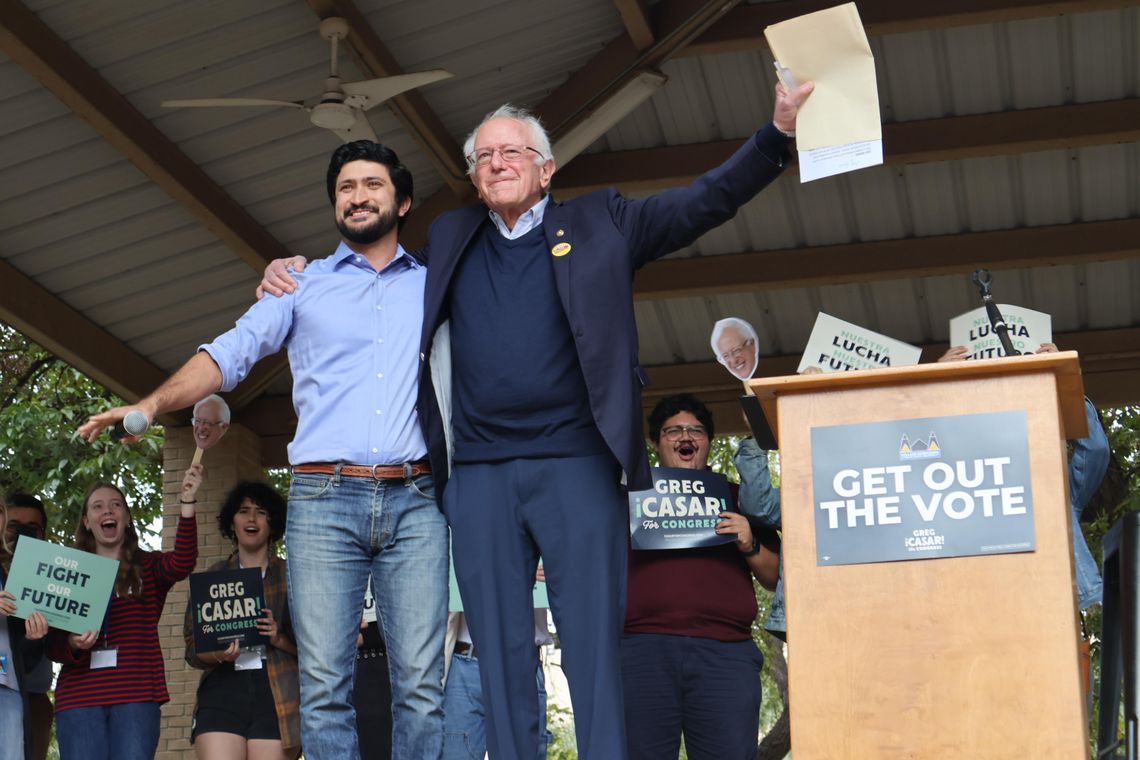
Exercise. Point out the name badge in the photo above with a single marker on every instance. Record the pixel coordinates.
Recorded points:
(250, 659)
(104, 658)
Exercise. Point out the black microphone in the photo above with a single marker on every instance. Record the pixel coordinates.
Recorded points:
(982, 279)
(134, 424)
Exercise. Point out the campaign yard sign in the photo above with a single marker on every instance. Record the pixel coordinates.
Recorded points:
(225, 606)
(1028, 329)
(681, 511)
(922, 488)
(72, 588)
(838, 346)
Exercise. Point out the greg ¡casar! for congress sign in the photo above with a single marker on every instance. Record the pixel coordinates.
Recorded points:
(922, 488)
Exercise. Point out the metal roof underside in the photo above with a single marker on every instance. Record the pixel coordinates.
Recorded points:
(86, 230)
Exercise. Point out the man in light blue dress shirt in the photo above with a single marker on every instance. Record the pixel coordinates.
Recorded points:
(362, 496)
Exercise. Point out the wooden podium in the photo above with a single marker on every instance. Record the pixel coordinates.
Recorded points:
(945, 658)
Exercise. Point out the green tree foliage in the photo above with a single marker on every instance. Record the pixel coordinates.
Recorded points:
(42, 401)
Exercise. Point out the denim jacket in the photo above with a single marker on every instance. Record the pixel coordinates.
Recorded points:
(760, 501)
(1087, 465)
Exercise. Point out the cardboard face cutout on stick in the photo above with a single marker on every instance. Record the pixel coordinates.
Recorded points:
(735, 345)
(211, 421)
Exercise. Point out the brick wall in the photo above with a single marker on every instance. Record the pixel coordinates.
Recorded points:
(235, 458)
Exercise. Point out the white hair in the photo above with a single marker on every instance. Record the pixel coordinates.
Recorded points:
(721, 325)
(523, 116)
(223, 407)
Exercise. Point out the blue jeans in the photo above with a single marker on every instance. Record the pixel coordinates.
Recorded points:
(340, 530)
(1087, 465)
(12, 720)
(114, 732)
(464, 727)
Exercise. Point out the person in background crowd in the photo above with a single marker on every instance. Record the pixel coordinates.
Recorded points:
(113, 680)
(372, 691)
(464, 721)
(21, 646)
(27, 517)
(1088, 461)
(248, 703)
(688, 663)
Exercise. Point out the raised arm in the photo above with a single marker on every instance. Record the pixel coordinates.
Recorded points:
(195, 380)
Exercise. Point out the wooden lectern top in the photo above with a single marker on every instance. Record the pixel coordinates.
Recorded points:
(1064, 365)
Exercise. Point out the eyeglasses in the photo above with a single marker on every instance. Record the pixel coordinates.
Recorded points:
(734, 353)
(676, 432)
(35, 530)
(207, 423)
(510, 153)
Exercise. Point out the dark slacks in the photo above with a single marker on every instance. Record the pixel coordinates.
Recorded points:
(707, 689)
(503, 516)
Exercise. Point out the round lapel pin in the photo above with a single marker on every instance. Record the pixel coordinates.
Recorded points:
(560, 250)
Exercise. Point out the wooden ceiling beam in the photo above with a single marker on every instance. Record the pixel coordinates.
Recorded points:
(743, 28)
(44, 318)
(34, 46)
(913, 142)
(1025, 247)
(1110, 364)
(635, 18)
(411, 108)
(678, 22)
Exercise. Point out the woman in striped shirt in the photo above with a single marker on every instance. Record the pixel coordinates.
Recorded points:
(113, 682)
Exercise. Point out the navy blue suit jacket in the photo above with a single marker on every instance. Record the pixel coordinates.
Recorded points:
(610, 237)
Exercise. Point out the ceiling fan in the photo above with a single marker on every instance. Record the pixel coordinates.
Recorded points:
(341, 108)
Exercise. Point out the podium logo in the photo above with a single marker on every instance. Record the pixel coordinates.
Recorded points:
(920, 449)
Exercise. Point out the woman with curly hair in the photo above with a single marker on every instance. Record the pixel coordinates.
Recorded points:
(113, 681)
(20, 650)
(248, 701)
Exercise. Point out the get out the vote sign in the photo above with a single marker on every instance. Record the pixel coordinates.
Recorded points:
(922, 489)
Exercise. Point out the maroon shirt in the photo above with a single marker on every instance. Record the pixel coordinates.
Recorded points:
(694, 592)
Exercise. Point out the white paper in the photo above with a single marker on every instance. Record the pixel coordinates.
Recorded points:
(838, 159)
(1028, 329)
(839, 346)
(839, 127)
(369, 603)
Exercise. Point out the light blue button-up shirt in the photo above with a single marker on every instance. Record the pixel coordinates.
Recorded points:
(352, 335)
(530, 219)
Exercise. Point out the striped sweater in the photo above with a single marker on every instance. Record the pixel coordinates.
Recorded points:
(132, 629)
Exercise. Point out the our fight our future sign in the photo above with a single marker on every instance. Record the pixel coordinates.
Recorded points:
(922, 489)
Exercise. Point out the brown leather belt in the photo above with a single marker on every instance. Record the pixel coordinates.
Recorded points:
(376, 471)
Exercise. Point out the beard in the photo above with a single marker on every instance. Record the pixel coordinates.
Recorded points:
(371, 232)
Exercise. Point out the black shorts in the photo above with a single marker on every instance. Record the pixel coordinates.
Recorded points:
(236, 702)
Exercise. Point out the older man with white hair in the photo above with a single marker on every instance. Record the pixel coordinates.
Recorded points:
(531, 393)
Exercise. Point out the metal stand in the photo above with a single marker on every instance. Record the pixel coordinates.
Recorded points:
(1119, 645)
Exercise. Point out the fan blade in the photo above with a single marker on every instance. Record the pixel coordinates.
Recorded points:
(372, 92)
(214, 102)
(361, 130)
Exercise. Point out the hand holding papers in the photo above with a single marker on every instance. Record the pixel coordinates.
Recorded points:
(838, 129)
